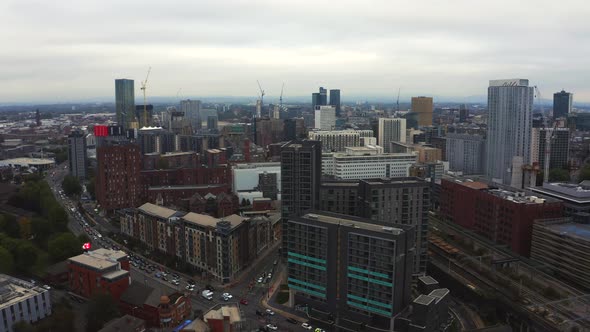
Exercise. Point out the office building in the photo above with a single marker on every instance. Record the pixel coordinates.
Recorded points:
(431, 171)
(118, 176)
(145, 115)
(560, 146)
(192, 112)
(510, 104)
(294, 129)
(575, 196)
(301, 171)
(101, 270)
(268, 185)
(263, 131)
(125, 103)
(325, 117)
(402, 201)
(77, 160)
(463, 113)
(158, 310)
(466, 153)
(562, 104)
(156, 140)
(563, 246)
(335, 100)
(319, 98)
(503, 216)
(22, 301)
(367, 162)
(440, 143)
(245, 176)
(349, 270)
(391, 130)
(212, 122)
(339, 140)
(423, 107)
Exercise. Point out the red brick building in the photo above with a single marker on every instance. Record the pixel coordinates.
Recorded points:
(117, 176)
(157, 310)
(224, 319)
(101, 270)
(504, 217)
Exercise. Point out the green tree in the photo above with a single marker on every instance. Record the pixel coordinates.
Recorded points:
(9, 225)
(6, 261)
(91, 188)
(83, 238)
(559, 174)
(25, 256)
(58, 218)
(584, 173)
(63, 246)
(71, 186)
(101, 309)
(62, 319)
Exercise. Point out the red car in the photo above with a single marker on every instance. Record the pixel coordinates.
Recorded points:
(244, 301)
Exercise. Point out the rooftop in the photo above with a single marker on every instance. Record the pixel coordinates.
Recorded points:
(424, 299)
(139, 294)
(126, 323)
(13, 290)
(226, 311)
(27, 161)
(99, 259)
(579, 231)
(115, 274)
(208, 221)
(184, 187)
(157, 211)
(575, 193)
(344, 220)
(428, 280)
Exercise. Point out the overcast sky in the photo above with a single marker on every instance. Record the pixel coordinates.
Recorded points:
(64, 50)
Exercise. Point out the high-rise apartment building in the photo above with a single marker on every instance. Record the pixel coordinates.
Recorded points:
(562, 104)
(125, 103)
(192, 112)
(559, 152)
(325, 117)
(77, 154)
(508, 146)
(463, 113)
(423, 107)
(399, 201)
(339, 140)
(466, 153)
(391, 129)
(335, 100)
(212, 122)
(349, 270)
(118, 176)
(301, 170)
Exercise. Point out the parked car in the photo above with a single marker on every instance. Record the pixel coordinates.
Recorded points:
(272, 327)
(244, 301)
(270, 312)
(306, 326)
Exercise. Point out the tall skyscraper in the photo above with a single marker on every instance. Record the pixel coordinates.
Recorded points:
(301, 171)
(125, 103)
(319, 98)
(463, 113)
(294, 129)
(212, 122)
(325, 117)
(423, 107)
(192, 112)
(560, 143)
(562, 104)
(349, 270)
(510, 106)
(77, 154)
(391, 129)
(466, 153)
(335, 100)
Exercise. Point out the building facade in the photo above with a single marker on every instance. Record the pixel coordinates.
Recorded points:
(502, 216)
(22, 301)
(562, 104)
(98, 271)
(118, 176)
(339, 140)
(77, 159)
(510, 104)
(335, 100)
(347, 270)
(560, 146)
(423, 106)
(325, 117)
(466, 153)
(391, 129)
(125, 103)
(192, 112)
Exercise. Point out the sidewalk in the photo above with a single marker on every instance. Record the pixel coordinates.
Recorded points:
(280, 309)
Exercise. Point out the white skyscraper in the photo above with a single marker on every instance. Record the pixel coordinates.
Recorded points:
(192, 112)
(510, 108)
(325, 117)
(391, 129)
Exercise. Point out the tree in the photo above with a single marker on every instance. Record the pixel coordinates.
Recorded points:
(584, 173)
(6, 261)
(25, 256)
(58, 218)
(101, 309)
(71, 186)
(62, 319)
(9, 225)
(559, 175)
(41, 231)
(83, 238)
(24, 226)
(91, 188)
(63, 246)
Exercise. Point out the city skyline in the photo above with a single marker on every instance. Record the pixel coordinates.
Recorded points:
(222, 48)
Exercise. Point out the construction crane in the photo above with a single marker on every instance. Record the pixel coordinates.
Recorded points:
(261, 97)
(281, 98)
(549, 136)
(143, 88)
(397, 102)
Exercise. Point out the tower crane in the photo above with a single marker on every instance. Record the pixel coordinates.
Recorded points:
(143, 88)
(261, 97)
(397, 102)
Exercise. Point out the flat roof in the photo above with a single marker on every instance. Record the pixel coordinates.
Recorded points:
(27, 161)
(226, 311)
(428, 280)
(345, 220)
(115, 274)
(13, 290)
(125, 323)
(580, 231)
(184, 187)
(562, 193)
(208, 221)
(424, 299)
(99, 259)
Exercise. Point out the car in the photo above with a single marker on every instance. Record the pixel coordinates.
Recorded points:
(190, 282)
(175, 282)
(47, 287)
(270, 312)
(292, 320)
(244, 301)
(190, 288)
(228, 295)
(176, 276)
(272, 327)
(164, 278)
(259, 280)
(269, 275)
(275, 262)
(306, 326)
